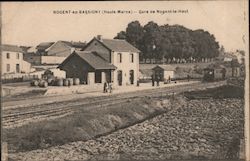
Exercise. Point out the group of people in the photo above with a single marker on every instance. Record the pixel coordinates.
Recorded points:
(107, 87)
(155, 78)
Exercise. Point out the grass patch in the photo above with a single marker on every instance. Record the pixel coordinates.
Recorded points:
(82, 125)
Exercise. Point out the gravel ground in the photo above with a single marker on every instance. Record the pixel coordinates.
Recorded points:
(209, 128)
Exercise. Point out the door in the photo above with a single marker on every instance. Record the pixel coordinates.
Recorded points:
(98, 76)
(85, 77)
(119, 77)
(131, 76)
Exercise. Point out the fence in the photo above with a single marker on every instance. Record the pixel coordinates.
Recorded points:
(17, 78)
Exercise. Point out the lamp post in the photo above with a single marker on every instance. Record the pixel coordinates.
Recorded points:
(153, 47)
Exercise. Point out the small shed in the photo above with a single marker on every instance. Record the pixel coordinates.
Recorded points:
(164, 72)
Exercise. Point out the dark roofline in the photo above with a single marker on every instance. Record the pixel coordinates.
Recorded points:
(41, 46)
(159, 66)
(68, 58)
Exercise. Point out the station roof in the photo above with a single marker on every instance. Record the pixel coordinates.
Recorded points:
(119, 45)
(116, 45)
(93, 59)
(165, 67)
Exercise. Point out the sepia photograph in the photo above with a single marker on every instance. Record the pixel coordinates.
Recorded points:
(125, 80)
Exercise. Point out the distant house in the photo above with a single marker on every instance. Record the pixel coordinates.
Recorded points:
(240, 54)
(121, 54)
(228, 57)
(12, 60)
(164, 72)
(49, 53)
(104, 60)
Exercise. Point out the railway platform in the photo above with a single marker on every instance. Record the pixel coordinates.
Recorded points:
(33, 101)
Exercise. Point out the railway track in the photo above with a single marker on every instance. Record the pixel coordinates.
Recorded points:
(17, 117)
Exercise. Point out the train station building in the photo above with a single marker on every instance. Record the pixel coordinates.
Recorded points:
(104, 60)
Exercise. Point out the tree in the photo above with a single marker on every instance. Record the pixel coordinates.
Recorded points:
(134, 33)
(151, 40)
(173, 42)
(222, 49)
(121, 35)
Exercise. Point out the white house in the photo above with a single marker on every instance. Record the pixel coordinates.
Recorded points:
(12, 60)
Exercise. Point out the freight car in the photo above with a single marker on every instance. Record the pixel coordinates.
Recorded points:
(208, 75)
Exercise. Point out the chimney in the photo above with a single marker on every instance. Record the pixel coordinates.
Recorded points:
(99, 37)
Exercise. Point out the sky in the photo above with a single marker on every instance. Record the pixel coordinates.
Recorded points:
(29, 23)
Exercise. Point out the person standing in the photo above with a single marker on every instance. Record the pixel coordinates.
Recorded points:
(158, 80)
(110, 87)
(188, 77)
(153, 80)
(223, 71)
(105, 87)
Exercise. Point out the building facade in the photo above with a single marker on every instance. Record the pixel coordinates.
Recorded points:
(122, 55)
(12, 60)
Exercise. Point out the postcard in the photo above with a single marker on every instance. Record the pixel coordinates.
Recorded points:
(125, 80)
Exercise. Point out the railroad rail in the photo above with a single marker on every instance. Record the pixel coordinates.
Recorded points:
(20, 116)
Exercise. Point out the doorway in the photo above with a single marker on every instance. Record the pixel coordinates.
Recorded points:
(119, 77)
(85, 77)
(131, 76)
(98, 77)
(17, 68)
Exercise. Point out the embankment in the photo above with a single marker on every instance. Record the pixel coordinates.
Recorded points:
(82, 125)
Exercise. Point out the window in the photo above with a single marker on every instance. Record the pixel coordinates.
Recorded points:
(131, 58)
(8, 55)
(17, 55)
(8, 67)
(119, 57)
